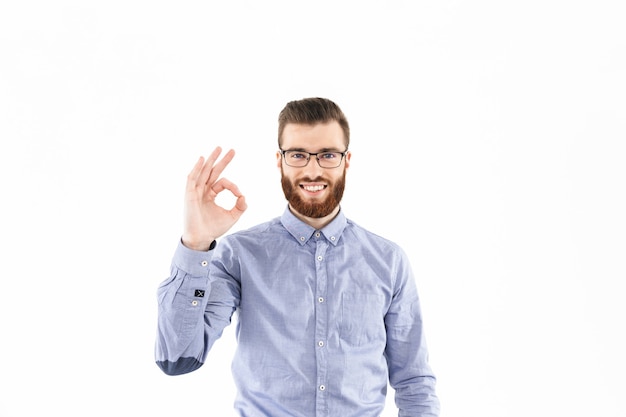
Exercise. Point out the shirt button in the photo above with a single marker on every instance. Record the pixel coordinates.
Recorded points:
(322, 387)
(320, 300)
(332, 238)
(302, 238)
(204, 263)
(317, 234)
(319, 258)
(320, 343)
(194, 303)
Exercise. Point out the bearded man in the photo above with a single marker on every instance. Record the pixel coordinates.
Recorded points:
(328, 312)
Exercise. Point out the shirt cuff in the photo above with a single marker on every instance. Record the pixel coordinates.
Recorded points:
(193, 262)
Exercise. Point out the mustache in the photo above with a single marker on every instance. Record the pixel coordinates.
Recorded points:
(309, 179)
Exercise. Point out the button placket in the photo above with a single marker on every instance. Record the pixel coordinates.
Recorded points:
(321, 321)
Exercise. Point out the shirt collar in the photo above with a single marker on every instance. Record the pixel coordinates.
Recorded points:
(302, 232)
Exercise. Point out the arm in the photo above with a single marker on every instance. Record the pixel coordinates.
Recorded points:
(183, 337)
(407, 355)
(189, 321)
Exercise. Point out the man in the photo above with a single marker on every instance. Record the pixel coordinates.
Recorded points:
(327, 311)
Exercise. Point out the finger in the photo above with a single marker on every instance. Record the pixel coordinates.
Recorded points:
(240, 206)
(224, 184)
(192, 177)
(220, 166)
(205, 174)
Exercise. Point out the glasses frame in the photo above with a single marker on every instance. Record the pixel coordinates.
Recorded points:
(310, 154)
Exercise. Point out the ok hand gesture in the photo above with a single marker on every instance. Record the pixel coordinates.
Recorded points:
(204, 220)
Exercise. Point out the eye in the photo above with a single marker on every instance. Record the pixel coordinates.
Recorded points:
(297, 155)
(329, 155)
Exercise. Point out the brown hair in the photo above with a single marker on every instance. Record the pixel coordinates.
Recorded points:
(311, 111)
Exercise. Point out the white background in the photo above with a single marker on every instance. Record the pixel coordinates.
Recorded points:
(487, 139)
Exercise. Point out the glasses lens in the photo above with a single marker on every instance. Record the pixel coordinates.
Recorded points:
(296, 158)
(329, 159)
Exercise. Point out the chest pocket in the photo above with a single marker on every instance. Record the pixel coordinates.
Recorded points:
(362, 319)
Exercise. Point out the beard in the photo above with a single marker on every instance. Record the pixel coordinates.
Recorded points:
(313, 209)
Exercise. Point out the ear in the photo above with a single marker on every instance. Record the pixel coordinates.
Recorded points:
(347, 157)
(279, 159)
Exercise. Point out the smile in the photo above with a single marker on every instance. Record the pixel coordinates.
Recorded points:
(313, 188)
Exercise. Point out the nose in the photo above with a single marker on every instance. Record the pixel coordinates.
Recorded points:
(313, 168)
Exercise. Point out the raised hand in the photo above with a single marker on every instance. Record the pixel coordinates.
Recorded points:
(205, 220)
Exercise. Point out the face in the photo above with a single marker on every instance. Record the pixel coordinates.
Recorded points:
(313, 191)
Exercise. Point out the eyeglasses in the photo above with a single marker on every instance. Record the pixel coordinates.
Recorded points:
(299, 159)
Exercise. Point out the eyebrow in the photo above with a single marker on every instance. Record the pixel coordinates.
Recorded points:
(320, 151)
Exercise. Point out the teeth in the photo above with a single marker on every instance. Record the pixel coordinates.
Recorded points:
(313, 188)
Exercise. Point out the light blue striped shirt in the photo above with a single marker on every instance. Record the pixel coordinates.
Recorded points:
(326, 318)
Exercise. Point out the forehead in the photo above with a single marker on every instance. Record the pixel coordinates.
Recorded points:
(313, 137)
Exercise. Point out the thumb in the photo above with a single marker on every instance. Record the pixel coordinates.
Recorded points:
(240, 206)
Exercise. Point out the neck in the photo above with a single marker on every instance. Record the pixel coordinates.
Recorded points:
(316, 222)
